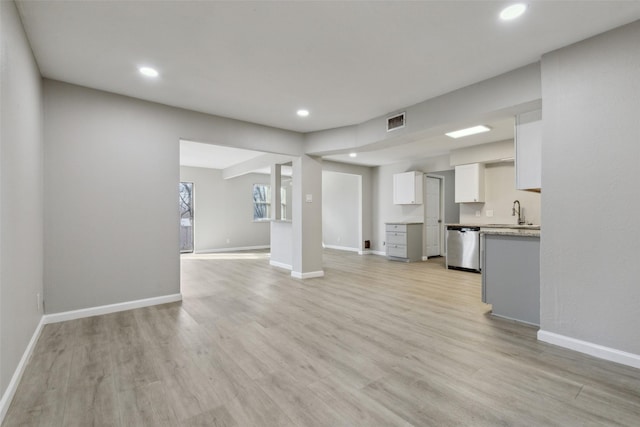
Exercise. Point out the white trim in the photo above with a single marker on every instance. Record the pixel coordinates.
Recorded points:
(381, 253)
(597, 350)
(7, 397)
(280, 265)
(242, 248)
(111, 308)
(309, 275)
(341, 248)
(365, 252)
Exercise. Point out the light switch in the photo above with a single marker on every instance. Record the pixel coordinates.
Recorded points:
(309, 198)
(490, 212)
(477, 213)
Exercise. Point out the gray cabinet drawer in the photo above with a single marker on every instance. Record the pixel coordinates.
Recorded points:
(396, 238)
(397, 227)
(399, 251)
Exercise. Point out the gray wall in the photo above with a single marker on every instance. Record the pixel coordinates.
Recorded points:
(341, 210)
(306, 223)
(510, 93)
(21, 214)
(111, 179)
(223, 209)
(591, 197)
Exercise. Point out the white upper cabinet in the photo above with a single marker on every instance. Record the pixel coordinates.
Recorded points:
(407, 188)
(470, 183)
(528, 146)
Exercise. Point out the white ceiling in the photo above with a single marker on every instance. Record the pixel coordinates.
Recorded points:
(345, 61)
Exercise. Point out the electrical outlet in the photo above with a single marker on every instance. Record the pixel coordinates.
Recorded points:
(477, 213)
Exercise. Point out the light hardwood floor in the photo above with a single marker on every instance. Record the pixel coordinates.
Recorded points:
(374, 343)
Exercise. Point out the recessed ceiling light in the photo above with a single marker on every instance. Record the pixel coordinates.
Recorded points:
(353, 154)
(513, 11)
(148, 71)
(468, 131)
(303, 113)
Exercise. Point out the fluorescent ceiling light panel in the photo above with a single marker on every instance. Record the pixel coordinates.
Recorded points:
(148, 72)
(303, 113)
(513, 11)
(468, 131)
(353, 154)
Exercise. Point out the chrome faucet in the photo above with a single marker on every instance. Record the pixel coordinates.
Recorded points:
(514, 211)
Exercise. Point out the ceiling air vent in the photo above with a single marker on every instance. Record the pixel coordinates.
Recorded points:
(395, 122)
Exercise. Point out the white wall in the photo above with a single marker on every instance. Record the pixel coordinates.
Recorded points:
(591, 197)
(341, 210)
(383, 208)
(367, 194)
(21, 206)
(500, 193)
(451, 208)
(111, 179)
(223, 210)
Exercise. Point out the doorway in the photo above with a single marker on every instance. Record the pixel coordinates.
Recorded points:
(342, 211)
(433, 215)
(185, 193)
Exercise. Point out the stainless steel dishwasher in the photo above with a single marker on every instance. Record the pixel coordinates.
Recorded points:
(463, 248)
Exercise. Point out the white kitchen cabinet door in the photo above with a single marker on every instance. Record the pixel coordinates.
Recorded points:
(528, 155)
(407, 188)
(470, 183)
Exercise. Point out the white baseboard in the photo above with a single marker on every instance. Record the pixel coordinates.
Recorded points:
(596, 350)
(341, 248)
(365, 252)
(241, 248)
(7, 397)
(111, 308)
(280, 265)
(381, 253)
(309, 275)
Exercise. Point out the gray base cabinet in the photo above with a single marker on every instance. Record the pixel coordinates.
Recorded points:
(511, 277)
(404, 241)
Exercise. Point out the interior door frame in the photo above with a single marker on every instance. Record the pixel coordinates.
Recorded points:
(442, 214)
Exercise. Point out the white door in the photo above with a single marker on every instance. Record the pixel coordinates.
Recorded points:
(432, 214)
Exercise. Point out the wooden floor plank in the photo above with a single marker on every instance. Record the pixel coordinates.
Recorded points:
(373, 343)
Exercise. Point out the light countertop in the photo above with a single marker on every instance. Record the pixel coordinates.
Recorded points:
(492, 226)
(522, 232)
(505, 229)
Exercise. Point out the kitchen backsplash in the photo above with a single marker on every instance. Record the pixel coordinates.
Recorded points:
(500, 193)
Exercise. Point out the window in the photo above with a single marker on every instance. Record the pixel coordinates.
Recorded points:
(283, 203)
(185, 191)
(261, 202)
